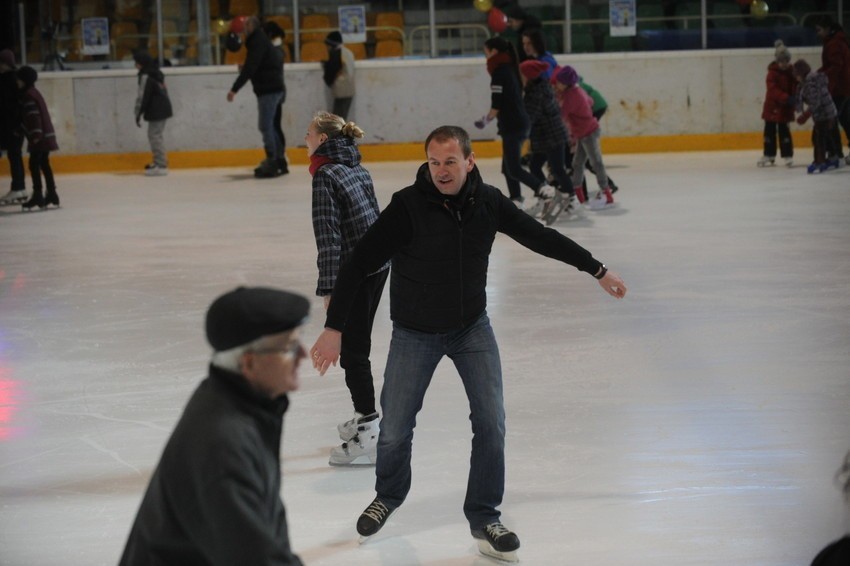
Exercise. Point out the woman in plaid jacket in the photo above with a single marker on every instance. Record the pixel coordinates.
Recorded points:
(344, 207)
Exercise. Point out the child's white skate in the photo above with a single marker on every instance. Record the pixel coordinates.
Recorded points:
(764, 161)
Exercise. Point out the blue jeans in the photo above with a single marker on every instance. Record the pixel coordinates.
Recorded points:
(267, 105)
(413, 357)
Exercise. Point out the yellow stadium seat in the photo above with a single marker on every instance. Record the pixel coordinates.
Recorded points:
(389, 48)
(322, 22)
(358, 50)
(389, 19)
(243, 8)
(125, 39)
(313, 51)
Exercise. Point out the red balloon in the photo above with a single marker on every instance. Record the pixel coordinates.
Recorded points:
(497, 20)
(237, 24)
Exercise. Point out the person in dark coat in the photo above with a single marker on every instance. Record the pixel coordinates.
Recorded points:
(277, 34)
(778, 109)
(438, 233)
(507, 108)
(10, 121)
(264, 68)
(154, 105)
(520, 22)
(837, 553)
(835, 64)
(37, 127)
(215, 495)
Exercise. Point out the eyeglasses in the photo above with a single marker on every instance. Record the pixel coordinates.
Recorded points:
(291, 350)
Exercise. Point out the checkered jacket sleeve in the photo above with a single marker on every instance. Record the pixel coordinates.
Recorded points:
(344, 206)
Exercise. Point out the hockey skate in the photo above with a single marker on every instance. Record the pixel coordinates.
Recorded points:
(373, 518)
(496, 541)
(831, 164)
(361, 449)
(764, 161)
(14, 197)
(348, 429)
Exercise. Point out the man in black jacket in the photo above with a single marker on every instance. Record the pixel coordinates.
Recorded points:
(438, 234)
(264, 68)
(215, 495)
(10, 121)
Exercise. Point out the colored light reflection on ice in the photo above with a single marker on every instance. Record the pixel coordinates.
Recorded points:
(10, 401)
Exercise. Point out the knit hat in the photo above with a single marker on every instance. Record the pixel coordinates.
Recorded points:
(247, 313)
(566, 75)
(532, 68)
(143, 58)
(782, 55)
(801, 68)
(7, 57)
(333, 39)
(27, 75)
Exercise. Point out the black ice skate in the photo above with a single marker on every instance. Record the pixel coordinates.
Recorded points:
(51, 198)
(372, 519)
(496, 541)
(37, 199)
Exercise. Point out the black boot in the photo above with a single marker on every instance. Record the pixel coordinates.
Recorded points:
(282, 166)
(51, 197)
(35, 200)
(267, 169)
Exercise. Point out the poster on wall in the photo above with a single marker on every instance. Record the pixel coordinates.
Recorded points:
(95, 36)
(352, 24)
(622, 15)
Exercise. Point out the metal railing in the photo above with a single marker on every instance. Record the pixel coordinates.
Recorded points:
(453, 39)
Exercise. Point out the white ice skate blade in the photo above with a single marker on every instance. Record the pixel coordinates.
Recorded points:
(359, 462)
(487, 550)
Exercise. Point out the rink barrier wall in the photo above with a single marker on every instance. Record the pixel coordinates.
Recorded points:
(395, 152)
(658, 101)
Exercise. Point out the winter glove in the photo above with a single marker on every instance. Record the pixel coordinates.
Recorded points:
(482, 122)
(803, 118)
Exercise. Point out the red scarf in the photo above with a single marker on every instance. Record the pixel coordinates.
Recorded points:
(498, 60)
(317, 161)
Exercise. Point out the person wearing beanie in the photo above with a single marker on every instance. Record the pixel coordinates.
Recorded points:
(778, 109)
(577, 113)
(813, 101)
(154, 105)
(264, 68)
(835, 64)
(338, 74)
(214, 497)
(37, 127)
(10, 121)
(344, 207)
(277, 34)
(507, 108)
(548, 139)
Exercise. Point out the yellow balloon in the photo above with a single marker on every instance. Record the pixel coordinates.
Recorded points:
(759, 9)
(482, 5)
(221, 27)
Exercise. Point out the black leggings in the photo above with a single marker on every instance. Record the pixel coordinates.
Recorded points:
(40, 163)
(786, 145)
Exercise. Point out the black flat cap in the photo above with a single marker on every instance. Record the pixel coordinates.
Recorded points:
(248, 313)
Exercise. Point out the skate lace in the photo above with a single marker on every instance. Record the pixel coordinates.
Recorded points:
(496, 530)
(377, 511)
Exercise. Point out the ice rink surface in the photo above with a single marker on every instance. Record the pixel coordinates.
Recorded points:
(699, 421)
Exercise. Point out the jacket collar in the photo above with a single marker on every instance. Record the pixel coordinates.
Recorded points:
(239, 386)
